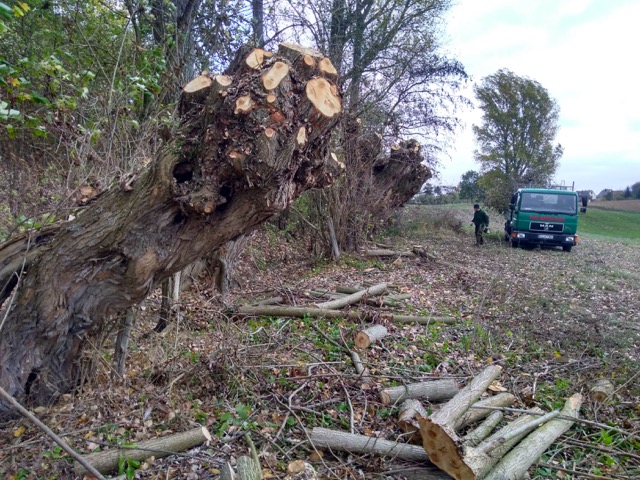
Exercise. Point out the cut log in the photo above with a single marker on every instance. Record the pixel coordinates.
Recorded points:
(300, 470)
(256, 58)
(199, 83)
(433, 391)
(379, 252)
(364, 338)
(479, 460)
(354, 297)
(337, 441)
(482, 431)
(324, 96)
(272, 77)
(516, 463)
(326, 439)
(327, 67)
(440, 440)
(408, 419)
(299, 312)
(476, 412)
(601, 390)
(244, 104)
(107, 461)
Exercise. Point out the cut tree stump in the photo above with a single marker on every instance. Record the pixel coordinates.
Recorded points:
(364, 338)
(107, 461)
(601, 390)
(433, 391)
(516, 463)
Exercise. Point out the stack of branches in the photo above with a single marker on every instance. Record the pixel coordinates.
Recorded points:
(476, 454)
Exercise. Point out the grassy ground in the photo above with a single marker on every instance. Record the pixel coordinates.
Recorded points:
(610, 224)
(556, 322)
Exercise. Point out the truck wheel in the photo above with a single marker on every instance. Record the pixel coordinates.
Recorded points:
(567, 248)
(513, 243)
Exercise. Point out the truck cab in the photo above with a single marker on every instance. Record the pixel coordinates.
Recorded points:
(545, 217)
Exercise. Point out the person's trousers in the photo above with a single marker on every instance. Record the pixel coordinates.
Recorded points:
(479, 231)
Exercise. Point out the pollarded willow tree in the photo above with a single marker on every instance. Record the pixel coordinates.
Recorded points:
(250, 142)
(398, 83)
(516, 140)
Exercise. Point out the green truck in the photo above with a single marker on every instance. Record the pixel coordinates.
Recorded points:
(545, 217)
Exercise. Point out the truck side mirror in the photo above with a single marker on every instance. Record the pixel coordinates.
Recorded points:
(583, 209)
(512, 206)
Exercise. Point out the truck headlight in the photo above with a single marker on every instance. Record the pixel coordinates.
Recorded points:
(520, 235)
(569, 239)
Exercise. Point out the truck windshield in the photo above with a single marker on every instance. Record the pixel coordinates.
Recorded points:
(549, 203)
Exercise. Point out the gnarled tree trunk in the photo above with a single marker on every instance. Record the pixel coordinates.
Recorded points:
(249, 143)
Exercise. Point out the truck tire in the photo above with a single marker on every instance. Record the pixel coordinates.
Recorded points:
(567, 248)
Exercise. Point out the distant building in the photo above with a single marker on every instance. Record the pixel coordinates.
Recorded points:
(603, 193)
(590, 194)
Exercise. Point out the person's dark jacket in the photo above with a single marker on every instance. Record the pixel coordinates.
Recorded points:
(480, 218)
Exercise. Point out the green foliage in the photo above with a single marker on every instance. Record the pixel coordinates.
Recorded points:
(519, 126)
(497, 188)
(469, 188)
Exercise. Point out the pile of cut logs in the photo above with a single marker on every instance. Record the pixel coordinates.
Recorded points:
(476, 454)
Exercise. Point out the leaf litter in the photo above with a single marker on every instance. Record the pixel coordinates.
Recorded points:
(555, 321)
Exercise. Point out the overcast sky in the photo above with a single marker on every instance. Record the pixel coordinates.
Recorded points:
(585, 53)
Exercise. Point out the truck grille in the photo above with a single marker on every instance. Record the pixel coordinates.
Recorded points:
(546, 227)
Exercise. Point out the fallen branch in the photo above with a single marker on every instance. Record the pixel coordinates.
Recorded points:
(107, 461)
(354, 297)
(300, 312)
(324, 438)
(476, 412)
(434, 391)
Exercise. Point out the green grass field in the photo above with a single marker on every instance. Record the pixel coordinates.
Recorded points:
(612, 224)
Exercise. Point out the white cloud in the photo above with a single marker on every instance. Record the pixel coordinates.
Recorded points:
(583, 53)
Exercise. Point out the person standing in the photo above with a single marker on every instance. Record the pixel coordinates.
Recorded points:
(481, 221)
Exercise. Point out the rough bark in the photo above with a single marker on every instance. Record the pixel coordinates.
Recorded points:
(208, 185)
(107, 461)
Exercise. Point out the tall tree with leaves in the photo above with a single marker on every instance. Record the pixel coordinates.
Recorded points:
(469, 189)
(516, 138)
